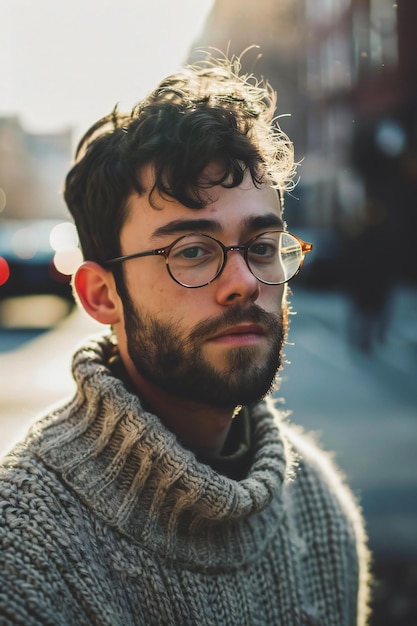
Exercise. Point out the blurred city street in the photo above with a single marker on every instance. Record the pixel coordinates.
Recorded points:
(345, 73)
(361, 407)
(37, 374)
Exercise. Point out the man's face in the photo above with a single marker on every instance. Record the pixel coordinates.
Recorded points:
(219, 344)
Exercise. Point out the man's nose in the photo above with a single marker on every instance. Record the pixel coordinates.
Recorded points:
(236, 282)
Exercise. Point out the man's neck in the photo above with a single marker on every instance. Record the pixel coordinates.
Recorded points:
(200, 427)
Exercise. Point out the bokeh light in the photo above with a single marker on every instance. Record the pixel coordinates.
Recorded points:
(25, 243)
(3, 199)
(64, 240)
(4, 271)
(390, 138)
(67, 261)
(63, 237)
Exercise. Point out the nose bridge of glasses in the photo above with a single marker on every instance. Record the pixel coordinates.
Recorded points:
(242, 249)
(235, 248)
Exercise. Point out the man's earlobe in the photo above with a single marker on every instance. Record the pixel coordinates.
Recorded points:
(96, 291)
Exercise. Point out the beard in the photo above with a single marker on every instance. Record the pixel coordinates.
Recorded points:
(176, 364)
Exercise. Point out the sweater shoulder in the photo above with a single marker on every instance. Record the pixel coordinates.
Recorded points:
(317, 468)
(312, 466)
(315, 482)
(325, 510)
(35, 506)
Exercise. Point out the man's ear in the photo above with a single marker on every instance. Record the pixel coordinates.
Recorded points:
(96, 290)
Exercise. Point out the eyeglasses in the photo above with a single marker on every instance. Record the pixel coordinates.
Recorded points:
(195, 260)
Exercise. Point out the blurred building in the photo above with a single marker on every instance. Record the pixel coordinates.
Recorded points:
(32, 171)
(279, 30)
(346, 72)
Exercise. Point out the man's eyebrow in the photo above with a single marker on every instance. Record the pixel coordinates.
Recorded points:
(254, 222)
(258, 222)
(184, 226)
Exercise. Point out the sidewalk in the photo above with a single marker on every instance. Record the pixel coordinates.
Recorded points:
(38, 375)
(362, 408)
(335, 389)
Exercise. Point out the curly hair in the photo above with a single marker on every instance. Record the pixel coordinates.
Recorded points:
(208, 113)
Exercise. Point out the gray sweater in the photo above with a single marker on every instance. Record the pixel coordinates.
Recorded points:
(106, 519)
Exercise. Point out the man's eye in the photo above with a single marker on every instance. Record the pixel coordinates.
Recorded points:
(266, 250)
(192, 253)
(259, 248)
(198, 251)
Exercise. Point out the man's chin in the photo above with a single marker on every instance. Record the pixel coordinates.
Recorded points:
(230, 361)
(234, 388)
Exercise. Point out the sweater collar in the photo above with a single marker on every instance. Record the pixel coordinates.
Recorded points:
(234, 459)
(132, 472)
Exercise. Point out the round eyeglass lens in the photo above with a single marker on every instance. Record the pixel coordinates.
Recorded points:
(291, 255)
(274, 257)
(195, 260)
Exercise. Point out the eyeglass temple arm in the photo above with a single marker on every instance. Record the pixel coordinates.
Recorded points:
(137, 255)
(306, 247)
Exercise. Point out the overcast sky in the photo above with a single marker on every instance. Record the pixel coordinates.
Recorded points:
(67, 62)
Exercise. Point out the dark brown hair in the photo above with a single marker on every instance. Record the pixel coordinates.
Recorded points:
(208, 113)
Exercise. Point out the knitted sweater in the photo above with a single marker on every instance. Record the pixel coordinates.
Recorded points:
(107, 520)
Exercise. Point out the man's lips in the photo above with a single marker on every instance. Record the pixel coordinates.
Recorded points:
(240, 334)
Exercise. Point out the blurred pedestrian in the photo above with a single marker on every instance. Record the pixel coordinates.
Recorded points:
(170, 490)
(371, 260)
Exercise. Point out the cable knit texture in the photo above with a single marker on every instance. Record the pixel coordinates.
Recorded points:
(107, 520)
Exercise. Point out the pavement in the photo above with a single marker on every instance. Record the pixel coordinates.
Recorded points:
(361, 407)
(37, 375)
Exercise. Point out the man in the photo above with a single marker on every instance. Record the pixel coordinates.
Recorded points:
(167, 491)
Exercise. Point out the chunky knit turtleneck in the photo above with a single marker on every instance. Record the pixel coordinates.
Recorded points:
(107, 519)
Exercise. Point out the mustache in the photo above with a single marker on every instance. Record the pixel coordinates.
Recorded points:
(237, 315)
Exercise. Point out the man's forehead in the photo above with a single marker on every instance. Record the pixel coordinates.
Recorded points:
(213, 171)
(251, 206)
